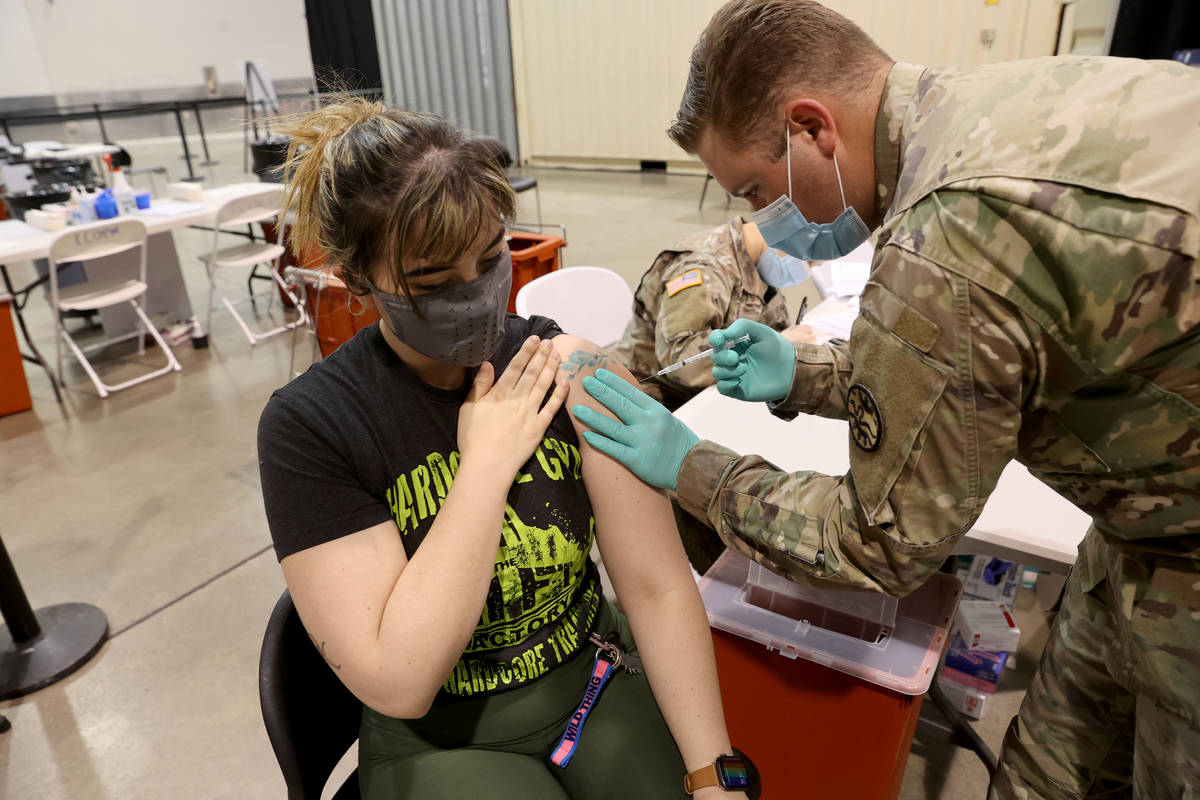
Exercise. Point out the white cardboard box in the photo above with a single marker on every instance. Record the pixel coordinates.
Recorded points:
(186, 191)
(987, 625)
(971, 702)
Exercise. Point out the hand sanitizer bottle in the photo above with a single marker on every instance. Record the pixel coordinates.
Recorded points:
(123, 193)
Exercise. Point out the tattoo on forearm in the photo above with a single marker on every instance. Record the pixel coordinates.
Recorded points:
(581, 360)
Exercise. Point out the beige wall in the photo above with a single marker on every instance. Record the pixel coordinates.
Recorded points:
(79, 47)
(598, 81)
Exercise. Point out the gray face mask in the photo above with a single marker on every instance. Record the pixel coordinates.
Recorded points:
(463, 325)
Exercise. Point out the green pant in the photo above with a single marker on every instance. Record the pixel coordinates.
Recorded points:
(499, 747)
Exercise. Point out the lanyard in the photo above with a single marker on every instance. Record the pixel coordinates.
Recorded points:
(608, 658)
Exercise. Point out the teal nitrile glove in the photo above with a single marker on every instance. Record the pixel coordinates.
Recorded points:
(760, 369)
(648, 439)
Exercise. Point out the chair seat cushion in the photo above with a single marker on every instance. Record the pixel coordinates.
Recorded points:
(244, 255)
(521, 184)
(90, 296)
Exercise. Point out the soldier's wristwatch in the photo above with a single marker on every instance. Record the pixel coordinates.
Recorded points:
(728, 772)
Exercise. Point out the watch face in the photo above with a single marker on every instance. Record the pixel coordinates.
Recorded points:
(732, 772)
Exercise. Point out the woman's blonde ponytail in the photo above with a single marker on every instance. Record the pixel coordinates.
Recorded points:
(371, 186)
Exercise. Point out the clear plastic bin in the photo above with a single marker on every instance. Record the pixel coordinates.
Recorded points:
(862, 615)
(892, 643)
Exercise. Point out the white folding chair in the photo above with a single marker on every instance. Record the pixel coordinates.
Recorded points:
(320, 280)
(86, 243)
(592, 302)
(246, 211)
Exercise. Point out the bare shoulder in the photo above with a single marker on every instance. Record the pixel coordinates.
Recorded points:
(582, 357)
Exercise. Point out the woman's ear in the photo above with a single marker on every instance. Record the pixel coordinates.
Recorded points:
(366, 302)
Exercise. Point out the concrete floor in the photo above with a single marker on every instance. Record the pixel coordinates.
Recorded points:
(147, 505)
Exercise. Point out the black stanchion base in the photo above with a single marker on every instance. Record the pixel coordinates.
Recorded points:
(71, 634)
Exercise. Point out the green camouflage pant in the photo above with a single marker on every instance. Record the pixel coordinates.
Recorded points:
(1114, 708)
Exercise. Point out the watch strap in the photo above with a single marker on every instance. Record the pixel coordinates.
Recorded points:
(701, 779)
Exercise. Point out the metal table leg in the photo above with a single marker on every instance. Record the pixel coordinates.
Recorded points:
(208, 161)
(187, 153)
(959, 731)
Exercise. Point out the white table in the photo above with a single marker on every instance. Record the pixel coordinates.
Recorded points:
(29, 247)
(1023, 521)
(71, 152)
(167, 295)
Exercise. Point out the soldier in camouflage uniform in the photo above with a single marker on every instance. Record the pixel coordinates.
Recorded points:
(1035, 295)
(702, 283)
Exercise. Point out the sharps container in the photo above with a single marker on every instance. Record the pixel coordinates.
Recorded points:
(822, 688)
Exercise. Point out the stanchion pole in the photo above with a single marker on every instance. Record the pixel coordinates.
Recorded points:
(38, 648)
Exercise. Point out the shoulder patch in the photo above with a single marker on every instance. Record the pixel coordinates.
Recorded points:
(866, 423)
(685, 281)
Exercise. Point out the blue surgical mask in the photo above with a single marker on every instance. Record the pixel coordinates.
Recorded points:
(779, 271)
(783, 226)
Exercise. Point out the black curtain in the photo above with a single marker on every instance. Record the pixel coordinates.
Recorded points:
(1156, 28)
(341, 35)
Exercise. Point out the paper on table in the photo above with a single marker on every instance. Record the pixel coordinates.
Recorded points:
(850, 277)
(171, 209)
(836, 325)
(15, 229)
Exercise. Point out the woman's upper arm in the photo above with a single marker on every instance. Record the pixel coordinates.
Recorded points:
(341, 589)
(313, 496)
(636, 530)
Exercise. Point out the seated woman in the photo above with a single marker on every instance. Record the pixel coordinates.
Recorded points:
(433, 505)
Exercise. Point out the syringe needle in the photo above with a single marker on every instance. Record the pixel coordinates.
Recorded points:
(690, 359)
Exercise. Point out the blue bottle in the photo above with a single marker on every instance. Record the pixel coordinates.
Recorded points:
(106, 205)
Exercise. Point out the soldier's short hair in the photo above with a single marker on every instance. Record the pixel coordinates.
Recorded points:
(753, 51)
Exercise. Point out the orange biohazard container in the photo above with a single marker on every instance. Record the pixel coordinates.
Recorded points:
(533, 255)
(822, 689)
(337, 313)
(14, 389)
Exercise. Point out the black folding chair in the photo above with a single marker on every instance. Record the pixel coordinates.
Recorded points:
(312, 718)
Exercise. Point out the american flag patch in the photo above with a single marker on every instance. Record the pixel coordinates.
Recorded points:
(685, 281)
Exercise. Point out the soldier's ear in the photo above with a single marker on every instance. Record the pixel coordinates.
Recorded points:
(811, 120)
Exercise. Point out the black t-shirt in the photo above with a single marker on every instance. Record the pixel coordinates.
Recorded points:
(359, 439)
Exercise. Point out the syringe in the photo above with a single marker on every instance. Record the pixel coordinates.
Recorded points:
(705, 354)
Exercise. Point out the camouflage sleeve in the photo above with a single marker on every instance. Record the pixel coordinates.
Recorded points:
(819, 384)
(934, 401)
(697, 291)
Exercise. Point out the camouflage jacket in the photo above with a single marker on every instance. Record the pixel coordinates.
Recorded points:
(1035, 295)
(704, 282)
